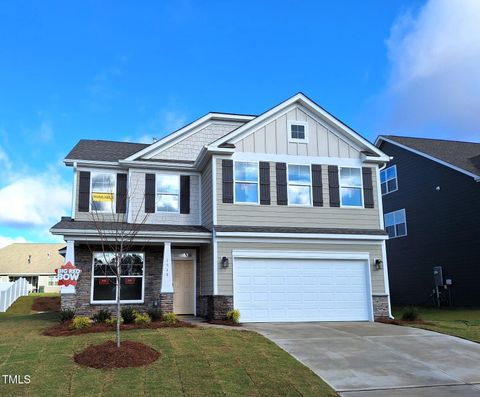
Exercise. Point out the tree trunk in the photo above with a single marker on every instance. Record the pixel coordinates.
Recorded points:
(118, 303)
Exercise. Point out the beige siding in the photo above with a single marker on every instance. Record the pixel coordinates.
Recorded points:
(225, 276)
(206, 270)
(273, 138)
(189, 148)
(43, 281)
(137, 203)
(207, 196)
(275, 215)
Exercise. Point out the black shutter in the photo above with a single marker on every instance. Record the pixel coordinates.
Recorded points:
(317, 185)
(281, 169)
(121, 207)
(227, 181)
(333, 186)
(149, 193)
(367, 187)
(184, 194)
(264, 170)
(84, 192)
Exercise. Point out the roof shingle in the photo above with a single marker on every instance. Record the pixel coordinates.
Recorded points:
(98, 150)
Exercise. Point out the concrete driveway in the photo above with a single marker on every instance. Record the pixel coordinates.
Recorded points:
(374, 359)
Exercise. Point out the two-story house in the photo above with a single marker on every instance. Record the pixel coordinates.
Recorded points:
(277, 215)
(431, 201)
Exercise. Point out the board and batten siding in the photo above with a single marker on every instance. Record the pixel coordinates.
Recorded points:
(207, 196)
(137, 203)
(273, 139)
(206, 270)
(225, 248)
(189, 148)
(295, 216)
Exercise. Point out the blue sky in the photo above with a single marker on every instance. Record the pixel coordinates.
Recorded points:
(136, 70)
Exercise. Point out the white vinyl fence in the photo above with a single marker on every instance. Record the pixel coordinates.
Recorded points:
(11, 291)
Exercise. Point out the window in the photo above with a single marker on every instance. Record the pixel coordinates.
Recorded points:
(52, 281)
(388, 179)
(299, 185)
(351, 187)
(396, 223)
(246, 182)
(168, 193)
(103, 192)
(104, 288)
(298, 132)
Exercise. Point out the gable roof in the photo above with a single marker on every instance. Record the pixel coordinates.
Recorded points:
(99, 150)
(461, 156)
(44, 258)
(310, 105)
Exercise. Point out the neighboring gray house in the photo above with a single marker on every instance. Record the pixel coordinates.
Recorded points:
(277, 215)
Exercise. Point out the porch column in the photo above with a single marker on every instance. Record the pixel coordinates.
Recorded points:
(166, 289)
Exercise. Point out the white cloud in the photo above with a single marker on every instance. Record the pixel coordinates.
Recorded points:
(5, 240)
(434, 81)
(34, 201)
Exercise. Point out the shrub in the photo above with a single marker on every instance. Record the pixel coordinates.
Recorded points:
(66, 315)
(102, 316)
(142, 318)
(411, 314)
(234, 315)
(81, 322)
(128, 315)
(170, 318)
(113, 320)
(155, 314)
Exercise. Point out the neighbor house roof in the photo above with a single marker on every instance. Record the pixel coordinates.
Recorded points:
(98, 150)
(30, 258)
(463, 156)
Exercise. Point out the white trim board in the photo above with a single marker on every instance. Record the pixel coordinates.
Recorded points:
(427, 156)
(286, 158)
(300, 254)
(304, 235)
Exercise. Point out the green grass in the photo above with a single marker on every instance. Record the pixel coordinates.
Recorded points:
(23, 305)
(193, 362)
(461, 322)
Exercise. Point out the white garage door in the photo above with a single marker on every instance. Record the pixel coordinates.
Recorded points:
(282, 290)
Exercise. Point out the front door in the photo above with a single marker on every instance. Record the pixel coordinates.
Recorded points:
(183, 295)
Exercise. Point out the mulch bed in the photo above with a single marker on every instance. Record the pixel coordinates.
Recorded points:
(107, 355)
(224, 322)
(64, 329)
(46, 304)
(399, 322)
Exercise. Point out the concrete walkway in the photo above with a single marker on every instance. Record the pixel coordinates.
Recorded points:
(374, 359)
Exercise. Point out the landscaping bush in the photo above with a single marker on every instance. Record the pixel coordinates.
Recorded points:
(170, 318)
(66, 315)
(128, 315)
(234, 315)
(411, 314)
(155, 314)
(81, 322)
(113, 320)
(142, 318)
(102, 316)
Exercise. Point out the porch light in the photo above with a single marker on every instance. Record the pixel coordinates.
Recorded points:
(378, 264)
(185, 255)
(224, 262)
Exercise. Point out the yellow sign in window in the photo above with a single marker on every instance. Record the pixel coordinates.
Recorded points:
(104, 197)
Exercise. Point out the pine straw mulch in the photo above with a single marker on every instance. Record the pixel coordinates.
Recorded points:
(224, 322)
(65, 329)
(107, 355)
(46, 304)
(400, 322)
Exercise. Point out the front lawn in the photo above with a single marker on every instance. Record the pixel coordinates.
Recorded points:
(193, 362)
(462, 322)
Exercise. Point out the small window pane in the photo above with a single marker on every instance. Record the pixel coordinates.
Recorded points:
(350, 177)
(104, 289)
(168, 184)
(103, 182)
(399, 216)
(389, 219)
(384, 188)
(351, 196)
(167, 203)
(401, 229)
(246, 171)
(391, 231)
(390, 172)
(383, 176)
(299, 195)
(299, 174)
(392, 185)
(246, 192)
(131, 288)
(297, 131)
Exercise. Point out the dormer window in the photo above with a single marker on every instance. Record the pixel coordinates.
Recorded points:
(298, 132)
